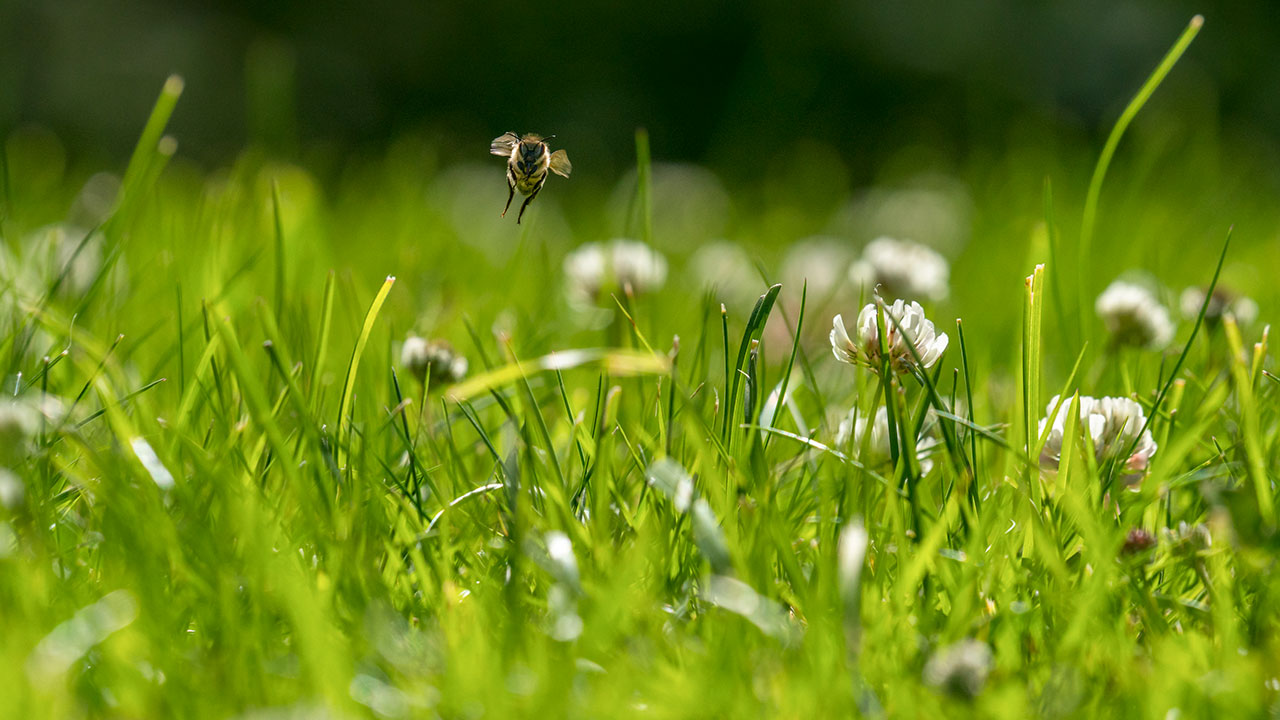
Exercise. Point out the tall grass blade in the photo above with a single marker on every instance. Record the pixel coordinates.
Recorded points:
(644, 185)
(1089, 220)
(753, 331)
(322, 339)
(146, 153)
(353, 366)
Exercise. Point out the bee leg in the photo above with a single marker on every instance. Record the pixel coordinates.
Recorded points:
(511, 192)
(527, 200)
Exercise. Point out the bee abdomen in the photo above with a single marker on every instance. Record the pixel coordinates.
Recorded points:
(528, 168)
(527, 183)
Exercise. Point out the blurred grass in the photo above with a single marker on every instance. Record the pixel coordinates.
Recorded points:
(265, 532)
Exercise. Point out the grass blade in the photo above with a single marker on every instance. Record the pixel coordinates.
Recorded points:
(644, 185)
(146, 153)
(353, 367)
(322, 339)
(753, 331)
(791, 361)
(1089, 220)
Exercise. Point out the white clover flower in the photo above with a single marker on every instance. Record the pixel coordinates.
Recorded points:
(1187, 538)
(64, 254)
(932, 207)
(874, 450)
(19, 422)
(901, 268)
(1113, 423)
(12, 490)
(694, 202)
(1134, 316)
(1242, 308)
(911, 327)
(817, 262)
(727, 268)
(96, 200)
(437, 357)
(854, 428)
(960, 669)
(585, 271)
(622, 263)
(637, 265)
(77, 251)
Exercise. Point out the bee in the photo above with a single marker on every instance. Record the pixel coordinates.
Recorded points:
(528, 161)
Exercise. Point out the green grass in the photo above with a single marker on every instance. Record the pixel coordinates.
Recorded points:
(237, 502)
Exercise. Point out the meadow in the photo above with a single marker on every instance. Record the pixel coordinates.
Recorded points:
(275, 447)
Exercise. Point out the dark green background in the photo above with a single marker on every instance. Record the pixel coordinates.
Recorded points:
(728, 83)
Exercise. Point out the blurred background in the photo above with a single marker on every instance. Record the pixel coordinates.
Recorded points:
(785, 137)
(323, 146)
(734, 84)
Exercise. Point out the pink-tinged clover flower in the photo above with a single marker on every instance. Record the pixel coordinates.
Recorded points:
(1113, 424)
(911, 329)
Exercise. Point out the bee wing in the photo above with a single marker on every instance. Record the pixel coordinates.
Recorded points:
(504, 145)
(560, 164)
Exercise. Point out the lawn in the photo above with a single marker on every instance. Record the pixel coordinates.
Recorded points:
(278, 446)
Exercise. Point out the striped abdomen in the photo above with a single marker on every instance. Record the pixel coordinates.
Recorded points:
(528, 167)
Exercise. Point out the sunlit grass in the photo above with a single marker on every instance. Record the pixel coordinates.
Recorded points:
(635, 505)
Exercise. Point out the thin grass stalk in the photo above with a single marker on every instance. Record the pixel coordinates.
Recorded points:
(1090, 216)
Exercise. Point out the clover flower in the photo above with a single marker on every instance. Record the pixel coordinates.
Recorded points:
(12, 489)
(727, 268)
(901, 268)
(1187, 538)
(960, 669)
(1134, 316)
(436, 358)
(586, 271)
(620, 262)
(1113, 424)
(912, 329)
(1136, 541)
(874, 449)
(637, 265)
(816, 263)
(1221, 302)
(19, 422)
(935, 208)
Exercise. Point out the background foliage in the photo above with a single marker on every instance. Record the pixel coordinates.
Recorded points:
(224, 496)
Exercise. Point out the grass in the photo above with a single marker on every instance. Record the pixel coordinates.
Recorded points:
(208, 514)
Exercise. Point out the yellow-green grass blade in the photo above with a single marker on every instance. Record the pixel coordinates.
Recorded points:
(149, 151)
(614, 361)
(1090, 217)
(353, 367)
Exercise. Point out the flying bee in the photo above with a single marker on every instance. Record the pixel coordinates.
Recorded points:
(528, 161)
